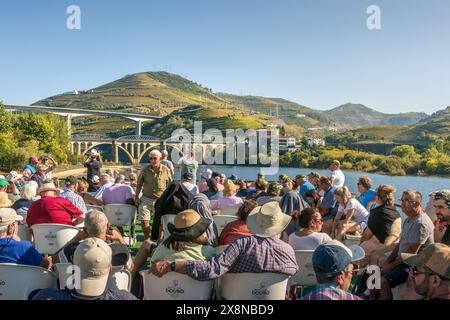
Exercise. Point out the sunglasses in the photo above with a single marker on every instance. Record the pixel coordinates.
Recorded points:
(415, 272)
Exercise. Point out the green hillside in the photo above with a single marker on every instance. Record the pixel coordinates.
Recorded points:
(168, 95)
(358, 115)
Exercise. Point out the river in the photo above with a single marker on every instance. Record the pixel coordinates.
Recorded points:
(423, 184)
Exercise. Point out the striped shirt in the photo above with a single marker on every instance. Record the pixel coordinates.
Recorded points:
(76, 199)
(329, 292)
(247, 254)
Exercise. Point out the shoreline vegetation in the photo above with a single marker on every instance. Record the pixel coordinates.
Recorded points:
(22, 135)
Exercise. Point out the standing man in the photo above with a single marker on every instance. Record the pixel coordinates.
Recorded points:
(153, 180)
(441, 203)
(46, 159)
(189, 164)
(337, 175)
(93, 164)
(167, 162)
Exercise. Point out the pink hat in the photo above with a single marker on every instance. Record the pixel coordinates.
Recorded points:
(34, 159)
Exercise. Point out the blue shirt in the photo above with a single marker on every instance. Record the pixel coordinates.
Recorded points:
(304, 188)
(20, 252)
(366, 197)
(330, 202)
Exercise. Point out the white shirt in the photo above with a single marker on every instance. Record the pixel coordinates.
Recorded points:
(338, 178)
(360, 214)
(309, 242)
(191, 187)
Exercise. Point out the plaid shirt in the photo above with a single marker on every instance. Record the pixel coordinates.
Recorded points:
(329, 292)
(76, 199)
(247, 254)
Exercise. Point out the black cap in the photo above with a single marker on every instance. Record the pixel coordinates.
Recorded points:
(188, 176)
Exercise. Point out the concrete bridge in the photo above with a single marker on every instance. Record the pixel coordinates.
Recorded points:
(69, 113)
(135, 147)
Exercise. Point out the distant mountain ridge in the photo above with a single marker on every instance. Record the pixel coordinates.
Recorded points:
(163, 94)
(361, 116)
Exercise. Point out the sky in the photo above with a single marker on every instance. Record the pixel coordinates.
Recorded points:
(319, 53)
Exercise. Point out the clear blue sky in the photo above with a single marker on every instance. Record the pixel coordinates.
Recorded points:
(315, 52)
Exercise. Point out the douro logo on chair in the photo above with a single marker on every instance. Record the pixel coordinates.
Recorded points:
(175, 290)
(261, 291)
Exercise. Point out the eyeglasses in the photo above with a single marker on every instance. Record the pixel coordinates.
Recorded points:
(154, 158)
(415, 272)
(407, 200)
(353, 272)
(318, 220)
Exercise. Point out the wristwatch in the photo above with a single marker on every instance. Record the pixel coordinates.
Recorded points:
(172, 266)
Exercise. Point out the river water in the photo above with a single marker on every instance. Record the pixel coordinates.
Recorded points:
(423, 184)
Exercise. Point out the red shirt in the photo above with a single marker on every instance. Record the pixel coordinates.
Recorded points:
(232, 231)
(52, 210)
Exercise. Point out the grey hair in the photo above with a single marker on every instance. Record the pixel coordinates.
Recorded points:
(96, 223)
(155, 153)
(3, 230)
(29, 191)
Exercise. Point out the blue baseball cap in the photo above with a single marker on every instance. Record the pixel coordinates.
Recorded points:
(211, 183)
(330, 260)
(233, 177)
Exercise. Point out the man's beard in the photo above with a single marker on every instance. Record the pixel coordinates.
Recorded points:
(422, 289)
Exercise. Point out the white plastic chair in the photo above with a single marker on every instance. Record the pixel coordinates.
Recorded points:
(24, 232)
(254, 286)
(351, 239)
(93, 207)
(50, 237)
(305, 276)
(120, 215)
(230, 211)
(62, 273)
(18, 281)
(165, 219)
(222, 220)
(119, 278)
(175, 286)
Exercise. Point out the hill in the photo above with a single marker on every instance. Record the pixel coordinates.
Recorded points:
(358, 115)
(167, 95)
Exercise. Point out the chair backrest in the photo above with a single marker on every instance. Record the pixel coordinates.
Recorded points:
(165, 219)
(119, 279)
(93, 207)
(18, 281)
(63, 273)
(175, 286)
(120, 214)
(230, 211)
(254, 286)
(222, 220)
(50, 237)
(351, 239)
(305, 275)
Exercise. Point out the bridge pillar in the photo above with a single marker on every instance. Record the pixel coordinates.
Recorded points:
(69, 122)
(138, 128)
(115, 152)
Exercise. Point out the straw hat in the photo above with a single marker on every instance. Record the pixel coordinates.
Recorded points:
(49, 186)
(5, 202)
(268, 220)
(188, 225)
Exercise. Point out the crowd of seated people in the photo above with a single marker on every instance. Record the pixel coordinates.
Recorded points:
(272, 221)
